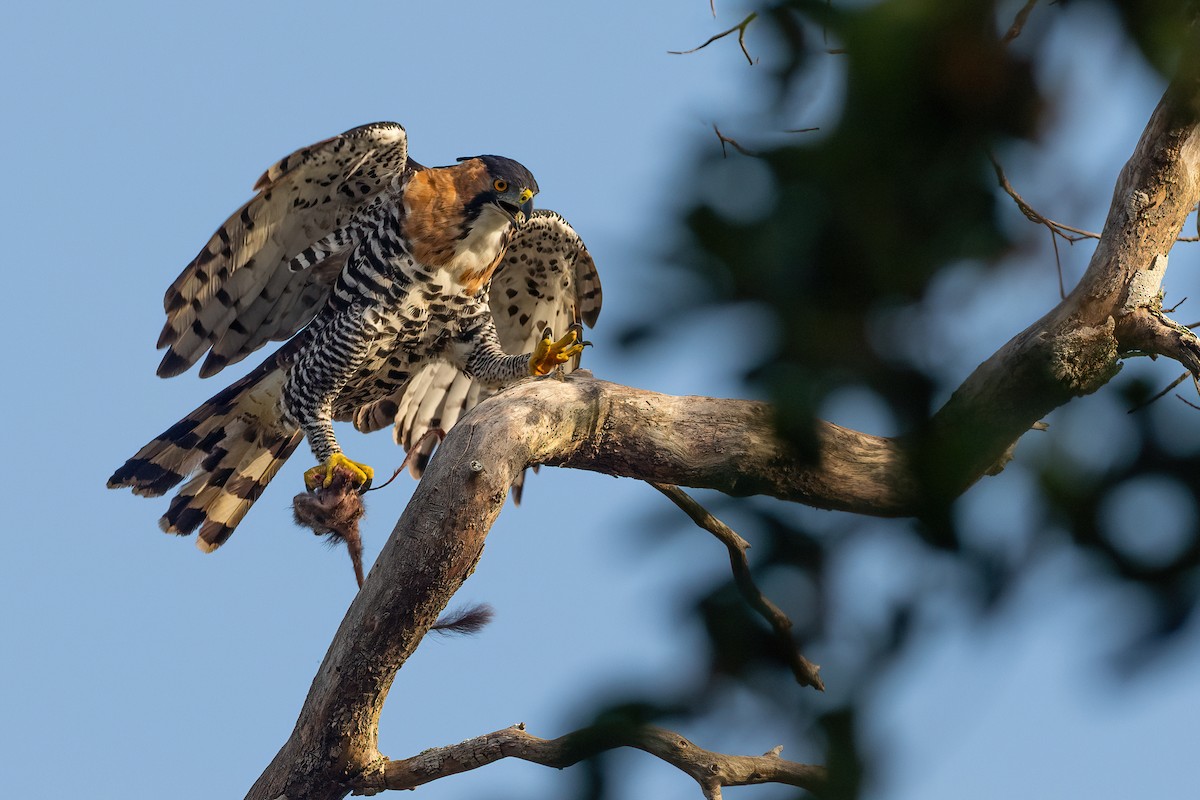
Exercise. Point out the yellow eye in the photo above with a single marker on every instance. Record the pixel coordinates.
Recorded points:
(500, 185)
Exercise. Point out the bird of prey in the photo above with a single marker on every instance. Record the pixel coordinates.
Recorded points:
(405, 294)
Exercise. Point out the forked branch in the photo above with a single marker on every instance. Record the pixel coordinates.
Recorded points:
(740, 28)
(1069, 233)
(729, 445)
(709, 769)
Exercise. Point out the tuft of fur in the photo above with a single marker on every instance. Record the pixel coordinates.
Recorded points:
(464, 621)
(334, 511)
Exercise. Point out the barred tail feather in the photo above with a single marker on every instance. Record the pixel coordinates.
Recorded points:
(231, 479)
(231, 446)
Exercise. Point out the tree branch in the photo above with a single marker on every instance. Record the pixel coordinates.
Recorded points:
(580, 422)
(806, 672)
(1056, 228)
(731, 141)
(1019, 22)
(730, 445)
(711, 770)
(1075, 348)
(741, 32)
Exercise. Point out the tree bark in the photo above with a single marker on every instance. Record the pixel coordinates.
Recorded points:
(577, 421)
(730, 445)
(712, 771)
(1115, 309)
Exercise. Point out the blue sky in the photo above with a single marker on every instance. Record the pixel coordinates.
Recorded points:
(133, 664)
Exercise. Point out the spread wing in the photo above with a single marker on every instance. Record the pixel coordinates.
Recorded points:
(547, 279)
(239, 293)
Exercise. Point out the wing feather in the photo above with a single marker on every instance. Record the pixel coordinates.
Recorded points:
(547, 278)
(233, 284)
(288, 303)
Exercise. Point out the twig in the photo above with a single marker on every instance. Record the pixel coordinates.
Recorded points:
(741, 32)
(709, 769)
(1188, 402)
(746, 151)
(1057, 228)
(1161, 394)
(1019, 22)
(736, 145)
(806, 672)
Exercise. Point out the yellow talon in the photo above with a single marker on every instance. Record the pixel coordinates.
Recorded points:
(322, 474)
(548, 353)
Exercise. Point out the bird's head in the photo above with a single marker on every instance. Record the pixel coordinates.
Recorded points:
(509, 187)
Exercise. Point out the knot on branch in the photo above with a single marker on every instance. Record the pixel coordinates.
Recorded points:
(1085, 358)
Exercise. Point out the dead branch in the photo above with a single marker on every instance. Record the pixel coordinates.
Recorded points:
(732, 142)
(1187, 402)
(1056, 229)
(741, 32)
(709, 769)
(806, 672)
(1148, 331)
(1160, 395)
(578, 421)
(746, 151)
(730, 445)
(1019, 22)
(1060, 229)
(1076, 347)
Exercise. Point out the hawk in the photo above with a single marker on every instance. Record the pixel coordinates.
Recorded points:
(404, 294)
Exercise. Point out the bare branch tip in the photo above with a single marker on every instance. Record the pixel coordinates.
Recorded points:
(741, 32)
(733, 143)
(1188, 402)
(1019, 22)
(806, 672)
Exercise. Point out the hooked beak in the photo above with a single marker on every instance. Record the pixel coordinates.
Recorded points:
(522, 210)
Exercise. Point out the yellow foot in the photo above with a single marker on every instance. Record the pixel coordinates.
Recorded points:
(548, 353)
(322, 474)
